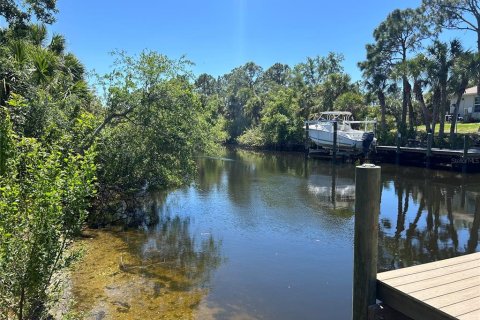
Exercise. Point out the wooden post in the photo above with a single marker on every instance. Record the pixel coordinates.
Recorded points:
(429, 148)
(367, 208)
(307, 140)
(399, 138)
(334, 153)
(465, 154)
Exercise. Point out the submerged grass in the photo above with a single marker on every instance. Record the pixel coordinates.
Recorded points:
(114, 282)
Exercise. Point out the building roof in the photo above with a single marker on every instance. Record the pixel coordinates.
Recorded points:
(471, 91)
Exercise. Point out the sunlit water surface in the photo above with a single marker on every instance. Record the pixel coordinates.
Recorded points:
(268, 236)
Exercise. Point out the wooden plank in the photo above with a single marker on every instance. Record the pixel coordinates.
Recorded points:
(474, 315)
(463, 307)
(454, 297)
(408, 305)
(438, 281)
(470, 267)
(425, 294)
(428, 266)
(447, 289)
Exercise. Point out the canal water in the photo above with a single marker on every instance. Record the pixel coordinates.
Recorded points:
(268, 236)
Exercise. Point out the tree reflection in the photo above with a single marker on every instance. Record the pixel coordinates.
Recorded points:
(431, 208)
(210, 171)
(170, 254)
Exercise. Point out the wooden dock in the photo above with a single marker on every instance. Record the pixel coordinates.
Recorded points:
(467, 160)
(471, 153)
(447, 289)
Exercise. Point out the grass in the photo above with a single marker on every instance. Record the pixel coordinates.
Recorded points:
(461, 127)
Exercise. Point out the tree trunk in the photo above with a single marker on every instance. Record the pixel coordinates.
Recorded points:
(478, 56)
(459, 93)
(383, 106)
(435, 103)
(417, 89)
(403, 124)
(443, 106)
(411, 116)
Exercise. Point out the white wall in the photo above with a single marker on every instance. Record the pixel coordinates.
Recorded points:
(467, 102)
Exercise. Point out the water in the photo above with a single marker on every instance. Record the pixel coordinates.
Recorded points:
(269, 236)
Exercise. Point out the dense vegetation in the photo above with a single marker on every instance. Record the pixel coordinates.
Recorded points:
(66, 150)
(409, 74)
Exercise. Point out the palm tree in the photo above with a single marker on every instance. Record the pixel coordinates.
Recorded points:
(376, 71)
(57, 44)
(417, 68)
(37, 34)
(441, 60)
(463, 71)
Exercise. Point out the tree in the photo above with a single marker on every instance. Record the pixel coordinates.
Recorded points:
(154, 124)
(456, 14)
(441, 59)
(376, 70)
(417, 69)
(18, 13)
(314, 71)
(277, 75)
(352, 101)
(44, 195)
(399, 35)
(333, 87)
(241, 85)
(205, 84)
(280, 123)
(462, 72)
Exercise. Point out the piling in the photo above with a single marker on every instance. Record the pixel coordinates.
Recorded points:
(399, 140)
(335, 134)
(307, 140)
(367, 208)
(429, 148)
(465, 154)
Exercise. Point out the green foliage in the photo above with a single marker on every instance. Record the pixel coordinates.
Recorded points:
(18, 13)
(273, 104)
(252, 137)
(454, 14)
(155, 124)
(280, 123)
(44, 194)
(353, 102)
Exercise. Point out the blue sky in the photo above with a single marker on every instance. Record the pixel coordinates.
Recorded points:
(219, 35)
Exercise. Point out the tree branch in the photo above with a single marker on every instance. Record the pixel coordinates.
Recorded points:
(102, 126)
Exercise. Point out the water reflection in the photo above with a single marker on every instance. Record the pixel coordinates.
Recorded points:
(162, 268)
(436, 216)
(286, 230)
(332, 188)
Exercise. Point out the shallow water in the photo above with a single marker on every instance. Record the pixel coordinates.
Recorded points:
(269, 236)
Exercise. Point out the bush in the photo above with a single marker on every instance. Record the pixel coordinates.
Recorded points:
(252, 137)
(44, 195)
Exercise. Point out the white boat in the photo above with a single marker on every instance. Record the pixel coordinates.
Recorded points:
(321, 131)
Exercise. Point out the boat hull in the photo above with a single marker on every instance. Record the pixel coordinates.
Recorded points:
(325, 139)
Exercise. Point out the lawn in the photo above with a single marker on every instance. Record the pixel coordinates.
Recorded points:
(461, 127)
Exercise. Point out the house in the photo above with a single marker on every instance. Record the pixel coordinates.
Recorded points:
(469, 105)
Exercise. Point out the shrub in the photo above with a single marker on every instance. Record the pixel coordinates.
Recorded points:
(44, 194)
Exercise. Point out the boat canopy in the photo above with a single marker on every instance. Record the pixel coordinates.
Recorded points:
(332, 116)
(344, 117)
(338, 113)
